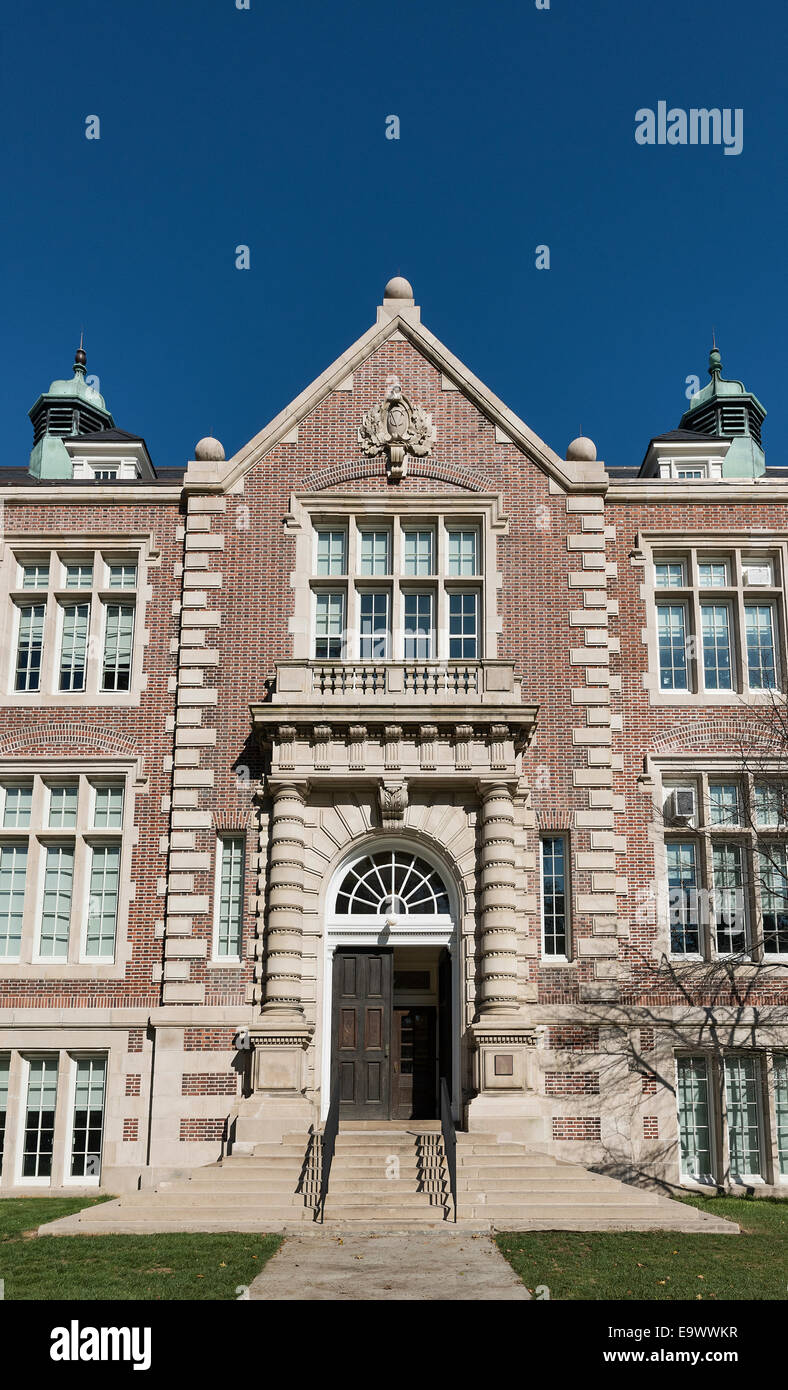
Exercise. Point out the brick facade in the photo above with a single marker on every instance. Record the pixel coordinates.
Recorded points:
(591, 1042)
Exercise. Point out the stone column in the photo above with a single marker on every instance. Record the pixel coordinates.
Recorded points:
(286, 886)
(504, 1058)
(499, 993)
(278, 1105)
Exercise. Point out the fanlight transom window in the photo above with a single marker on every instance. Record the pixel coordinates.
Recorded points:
(392, 883)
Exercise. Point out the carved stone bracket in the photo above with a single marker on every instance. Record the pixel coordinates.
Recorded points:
(398, 429)
(393, 802)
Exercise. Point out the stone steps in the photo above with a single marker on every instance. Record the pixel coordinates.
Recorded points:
(499, 1186)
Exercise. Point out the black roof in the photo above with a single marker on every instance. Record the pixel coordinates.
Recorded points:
(19, 477)
(106, 437)
(690, 436)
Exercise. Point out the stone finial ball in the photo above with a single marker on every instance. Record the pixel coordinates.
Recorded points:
(581, 450)
(209, 450)
(398, 288)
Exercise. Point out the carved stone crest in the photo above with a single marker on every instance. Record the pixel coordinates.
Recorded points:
(398, 429)
(393, 802)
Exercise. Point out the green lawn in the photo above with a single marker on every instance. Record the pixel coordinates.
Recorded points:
(120, 1267)
(662, 1265)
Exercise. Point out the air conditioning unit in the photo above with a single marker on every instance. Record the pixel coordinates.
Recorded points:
(681, 805)
(757, 574)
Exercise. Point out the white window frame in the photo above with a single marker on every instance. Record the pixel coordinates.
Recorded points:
(73, 1059)
(27, 1058)
(551, 959)
(221, 840)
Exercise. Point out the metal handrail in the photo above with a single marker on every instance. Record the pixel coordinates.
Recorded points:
(449, 1141)
(328, 1144)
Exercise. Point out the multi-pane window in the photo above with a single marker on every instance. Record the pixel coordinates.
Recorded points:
(774, 898)
(75, 617)
(60, 868)
(39, 1129)
(781, 1109)
(695, 1125)
(329, 626)
(743, 1106)
(374, 626)
(726, 852)
(103, 902)
(74, 645)
(761, 652)
(683, 898)
(331, 552)
(229, 890)
(463, 625)
(5, 1068)
(672, 639)
(375, 555)
(418, 553)
(118, 639)
(419, 625)
(730, 897)
(123, 575)
(56, 904)
(13, 877)
(555, 899)
(87, 1125)
(79, 575)
(729, 641)
(29, 647)
(398, 591)
(716, 632)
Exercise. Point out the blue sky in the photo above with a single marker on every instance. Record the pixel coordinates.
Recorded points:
(266, 127)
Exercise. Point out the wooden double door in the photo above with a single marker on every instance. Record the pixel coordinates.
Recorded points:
(384, 1057)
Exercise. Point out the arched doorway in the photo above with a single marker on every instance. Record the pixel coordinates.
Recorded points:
(391, 1005)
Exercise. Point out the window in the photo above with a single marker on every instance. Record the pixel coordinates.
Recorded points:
(728, 878)
(75, 637)
(463, 626)
(103, 902)
(108, 806)
(713, 574)
(13, 876)
(669, 574)
(418, 626)
(374, 631)
(419, 553)
(117, 646)
(781, 1109)
(715, 627)
(672, 637)
(17, 803)
(695, 1131)
(774, 899)
(229, 917)
(61, 852)
(555, 906)
(728, 641)
(331, 552)
(5, 1068)
(683, 891)
(40, 1117)
(392, 883)
(375, 553)
(29, 646)
(742, 1098)
(63, 805)
(79, 575)
(329, 626)
(87, 1126)
(55, 922)
(35, 576)
(730, 898)
(123, 575)
(463, 558)
(395, 590)
(761, 660)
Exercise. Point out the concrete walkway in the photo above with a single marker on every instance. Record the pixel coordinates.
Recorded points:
(432, 1266)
